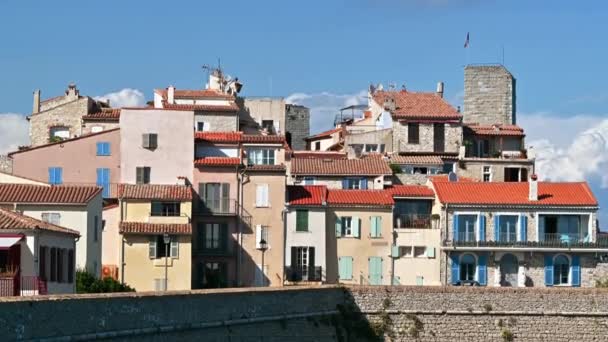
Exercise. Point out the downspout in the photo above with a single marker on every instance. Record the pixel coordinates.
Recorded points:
(394, 235)
(240, 196)
(122, 252)
(445, 273)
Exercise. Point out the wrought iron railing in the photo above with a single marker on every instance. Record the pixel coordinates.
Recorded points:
(413, 221)
(507, 236)
(546, 241)
(222, 206)
(296, 273)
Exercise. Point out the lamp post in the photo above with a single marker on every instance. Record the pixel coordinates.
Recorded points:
(167, 241)
(263, 247)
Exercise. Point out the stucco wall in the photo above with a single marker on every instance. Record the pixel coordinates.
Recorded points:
(110, 237)
(34, 163)
(407, 269)
(452, 138)
(51, 239)
(473, 168)
(314, 237)
(8, 178)
(87, 126)
(217, 122)
(263, 108)
(380, 136)
(175, 152)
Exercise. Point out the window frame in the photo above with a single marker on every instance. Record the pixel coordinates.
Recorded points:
(164, 208)
(261, 156)
(413, 133)
(486, 170)
(299, 219)
(560, 275)
(48, 217)
(465, 270)
(103, 149)
(145, 177)
(347, 230)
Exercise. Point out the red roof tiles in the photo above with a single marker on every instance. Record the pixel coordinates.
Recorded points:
(417, 160)
(263, 139)
(155, 228)
(410, 191)
(411, 105)
(195, 94)
(338, 167)
(269, 168)
(10, 220)
(359, 197)
(497, 130)
(307, 195)
(495, 193)
(217, 161)
(230, 108)
(319, 155)
(55, 194)
(219, 137)
(156, 192)
(324, 135)
(106, 114)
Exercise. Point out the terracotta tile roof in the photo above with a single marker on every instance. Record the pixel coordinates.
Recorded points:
(323, 135)
(217, 161)
(156, 192)
(417, 160)
(359, 197)
(498, 193)
(411, 191)
(232, 107)
(10, 220)
(271, 168)
(306, 195)
(155, 228)
(497, 130)
(106, 114)
(55, 194)
(195, 94)
(444, 178)
(339, 167)
(411, 105)
(319, 155)
(219, 137)
(65, 141)
(261, 139)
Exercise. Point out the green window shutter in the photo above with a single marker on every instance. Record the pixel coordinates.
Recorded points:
(345, 268)
(375, 270)
(378, 226)
(301, 220)
(349, 268)
(395, 251)
(338, 227)
(356, 229)
(430, 252)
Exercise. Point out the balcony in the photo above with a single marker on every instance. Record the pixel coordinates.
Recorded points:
(168, 218)
(219, 207)
(297, 274)
(547, 241)
(22, 286)
(413, 221)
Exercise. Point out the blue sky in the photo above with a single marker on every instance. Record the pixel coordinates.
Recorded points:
(323, 54)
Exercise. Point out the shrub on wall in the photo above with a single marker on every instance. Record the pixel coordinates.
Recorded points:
(602, 283)
(87, 283)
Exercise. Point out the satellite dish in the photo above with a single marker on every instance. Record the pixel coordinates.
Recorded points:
(452, 177)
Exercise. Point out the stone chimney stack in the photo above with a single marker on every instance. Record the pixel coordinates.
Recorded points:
(440, 89)
(72, 91)
(171, 95)
(533, 187)
(36, 108)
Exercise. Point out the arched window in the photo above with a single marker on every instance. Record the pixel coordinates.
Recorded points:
(561, 270)
(467, 267)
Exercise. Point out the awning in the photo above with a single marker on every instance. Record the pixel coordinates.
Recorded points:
(7, 241)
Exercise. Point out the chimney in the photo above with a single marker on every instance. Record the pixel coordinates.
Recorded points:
(36, 108)
(533, 186)
(171, 95)
(440, 89)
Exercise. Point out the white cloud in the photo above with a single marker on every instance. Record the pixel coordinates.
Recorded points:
(325, 106)
(126, 97)
(13, 132)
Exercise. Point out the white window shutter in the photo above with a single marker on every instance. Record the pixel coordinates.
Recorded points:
(206, 127)
(175, 248)
(266, 200)
(152, 248)
(259, 192)
(277, 126)
(258, 235)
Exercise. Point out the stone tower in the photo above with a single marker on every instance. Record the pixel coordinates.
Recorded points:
(489, 95)
(297, 122)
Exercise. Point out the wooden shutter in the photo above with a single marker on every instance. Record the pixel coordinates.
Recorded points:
(455, 227)
(430, 252)
(311, 263)
(482, 269)
(482, 227)
(152, 247)
(153, 140)
(575, 274)
(139, 175)
(99, 149)
(363, 183)
(174, 247)
(455, 268)
(258, 235)
(224, 237)
(356, 229)
(338, 227)
(345, 183)
(345, 268)
(225, 198)
(294, 258)
(375, 270)
(496, 227)
(548, 270)
(146, 174)
(145, 143)
(395, 251)
(523, 228)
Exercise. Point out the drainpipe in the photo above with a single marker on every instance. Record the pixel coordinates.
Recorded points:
(445, 273)
(240, 177)
(394, 234)
(122, 251)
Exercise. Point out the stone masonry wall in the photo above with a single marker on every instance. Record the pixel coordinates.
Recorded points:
(327, 313)
(297, 122)
(453, 138)
(66, 115)
(489, 95)
(219, 122)
(6, 164)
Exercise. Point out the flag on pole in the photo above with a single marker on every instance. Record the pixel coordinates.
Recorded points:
(466, 42)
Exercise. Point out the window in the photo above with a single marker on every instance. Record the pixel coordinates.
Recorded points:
(202, 126)
(103, 148)
(214, 236)
(215, 197)
(165, 208)
(158, 249)
(142, 175)
(261, 196)
(214, 275)
(405, 251)
(413, 133)
(419, 252)
(483, 148)
(448, 167)
(261, 233)
(487, 174)
(371, 148)
(53, 264)
(70, 266)
(347, 229)
(95, 227)
(52, 218)
(317, 146)
(301, 262)
(354, 183)
(42, 261)
(309, 180)
(96, 129)
(561, 270)
(467, 268)
(60, 132)
(466, 227)
(268, 125)
(103, 180)
(345, 268)
(418, 170)
(260, 156)
(55, 175)
(150, 141)
(60, 264)
(507, 230)
(376, 227)
(301, 220)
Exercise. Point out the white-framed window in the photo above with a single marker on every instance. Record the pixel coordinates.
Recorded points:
(158, 249)
(468, 265)
(261, 156)
(52, 218)
(353, 183)
(371, 148)
(561, 270)
(202, 126)
(487, 174)
(405, 251)
(302, 261)
(419, 251)
(96, 129)
(309, 180)
(347, 226)
(261, 196)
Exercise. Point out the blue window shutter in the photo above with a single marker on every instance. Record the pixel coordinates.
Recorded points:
(51, 175)
(523, 228)
(455, 227)
(482, 269)
(344, 183)
(455, 268)
(345, 268)
(100, 149)
(548, 270)
(576, 271)
(58, 175)
(107, 149)
(496, 227)
(363, 183)
(99, 177)
(482, 227)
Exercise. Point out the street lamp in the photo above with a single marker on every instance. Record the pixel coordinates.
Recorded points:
(167, 241)
(263, 247)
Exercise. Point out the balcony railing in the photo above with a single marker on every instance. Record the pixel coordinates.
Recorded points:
(296, 273)
(565, 238)
(465, 237)
(22, 286)
(419, 221)
(507, 236)
(546, 241)
(222, 206)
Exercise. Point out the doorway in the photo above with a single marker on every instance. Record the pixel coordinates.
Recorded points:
(508, 270)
